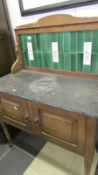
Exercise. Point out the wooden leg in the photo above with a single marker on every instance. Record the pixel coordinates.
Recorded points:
(91, 127)
(7, 135)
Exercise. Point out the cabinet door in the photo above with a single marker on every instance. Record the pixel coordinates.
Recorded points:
(64, 128)
(14, 109)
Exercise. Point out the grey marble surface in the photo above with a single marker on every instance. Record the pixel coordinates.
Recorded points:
(69, 93)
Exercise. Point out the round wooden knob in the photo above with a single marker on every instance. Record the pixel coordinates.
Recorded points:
(26, 117)
(36, 120)
(16, 108)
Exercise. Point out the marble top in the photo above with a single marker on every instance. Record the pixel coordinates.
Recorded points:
(69, 93)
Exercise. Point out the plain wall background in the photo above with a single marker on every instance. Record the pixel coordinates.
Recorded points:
(17, 19)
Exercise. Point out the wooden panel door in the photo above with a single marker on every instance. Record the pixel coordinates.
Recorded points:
(64, 128)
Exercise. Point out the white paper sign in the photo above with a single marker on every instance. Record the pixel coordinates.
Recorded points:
(30, 51)
(87, 53)
(55, 52)
(29, 38)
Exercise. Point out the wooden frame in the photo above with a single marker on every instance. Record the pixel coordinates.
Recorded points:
(55, 6)
(55, 23)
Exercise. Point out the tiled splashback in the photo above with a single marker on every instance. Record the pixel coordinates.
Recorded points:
(39, 53)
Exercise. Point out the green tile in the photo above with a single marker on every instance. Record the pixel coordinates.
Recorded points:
(34, 43)
(67, 47)
(61, 62)
(36, 59)
(43, 40)
(61, 42)
(25, 58)
(55, 66)
(23, 49)
(67, 61)
(79, 62)
(95, 41)
(49, 42)
(23, 42)
(38, 38)
(45, 57)
(54, 37)
(86, 68)
(73, 44)
(40, 58)
(32, 63)
(88, 36)
(50, 61)
(80, 42)
(94, 63)
(73, 62)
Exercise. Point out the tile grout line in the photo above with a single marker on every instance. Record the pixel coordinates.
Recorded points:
(24, 151)
(73, 160)
(5, 154)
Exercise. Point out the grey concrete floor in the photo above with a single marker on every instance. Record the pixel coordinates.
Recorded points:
(15, 161)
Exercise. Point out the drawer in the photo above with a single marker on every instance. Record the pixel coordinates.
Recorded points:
(14, 109)
(64, 128)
